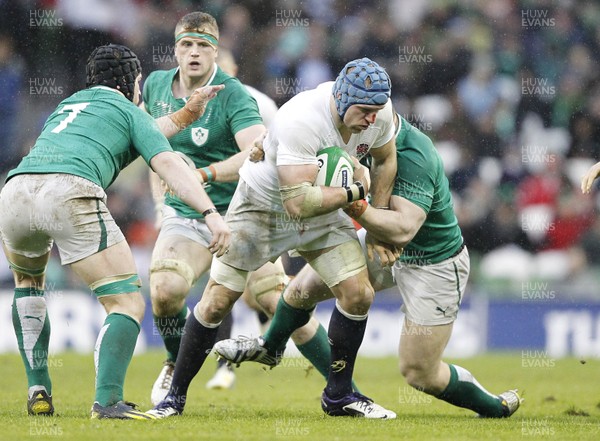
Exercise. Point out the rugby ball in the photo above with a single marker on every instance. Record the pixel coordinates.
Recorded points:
(335, 168)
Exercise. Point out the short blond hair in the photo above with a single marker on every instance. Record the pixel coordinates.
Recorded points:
(198, 22)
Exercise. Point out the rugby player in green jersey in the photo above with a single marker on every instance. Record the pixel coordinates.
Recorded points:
(216, 143)
(57, 194)
(431, 275)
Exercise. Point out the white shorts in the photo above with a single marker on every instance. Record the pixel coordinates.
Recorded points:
(260, 233)
(431, 294)
(174, 225)
(37, 210)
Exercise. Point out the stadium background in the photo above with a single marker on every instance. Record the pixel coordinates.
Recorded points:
(508, 91)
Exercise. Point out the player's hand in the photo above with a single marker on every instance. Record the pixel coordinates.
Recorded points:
(589, 177)
(257, 152)
(195, 106)
(362, 174)
(221, 235)
(387, 254)
(198, 100)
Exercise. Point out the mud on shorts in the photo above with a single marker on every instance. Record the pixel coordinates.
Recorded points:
(37, 210)
(261, 233)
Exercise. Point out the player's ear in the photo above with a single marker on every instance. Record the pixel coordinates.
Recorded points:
(175, 53)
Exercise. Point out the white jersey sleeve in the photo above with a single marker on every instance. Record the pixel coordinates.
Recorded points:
(266, 106)
(386, 123)
(301, 126)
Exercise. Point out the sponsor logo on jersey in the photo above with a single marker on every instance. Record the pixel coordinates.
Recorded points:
(199, 135)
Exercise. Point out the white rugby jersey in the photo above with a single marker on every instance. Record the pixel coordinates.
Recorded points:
(266, 106)
(303, 126)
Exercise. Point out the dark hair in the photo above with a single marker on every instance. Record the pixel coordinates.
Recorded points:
(113, 66)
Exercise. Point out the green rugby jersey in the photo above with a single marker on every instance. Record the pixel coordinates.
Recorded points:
(422, 181)
(94, 134)
(209, 139)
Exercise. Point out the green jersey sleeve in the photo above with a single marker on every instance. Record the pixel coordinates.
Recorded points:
(146, 137)
(241, 108)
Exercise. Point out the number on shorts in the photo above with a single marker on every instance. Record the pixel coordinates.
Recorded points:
(74, 110)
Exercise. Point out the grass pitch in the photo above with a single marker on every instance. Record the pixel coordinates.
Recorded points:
(562, 403)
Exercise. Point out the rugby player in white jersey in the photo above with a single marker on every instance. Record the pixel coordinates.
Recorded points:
(261, 293)
(276, 208)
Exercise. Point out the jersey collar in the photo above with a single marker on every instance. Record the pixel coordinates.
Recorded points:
(208, 83)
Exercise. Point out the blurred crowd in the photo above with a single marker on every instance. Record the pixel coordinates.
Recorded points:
(507, 89)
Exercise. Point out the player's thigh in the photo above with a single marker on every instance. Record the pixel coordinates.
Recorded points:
(183, 239)
(216, 302)
(114, 260)
(431, 297)
(112, 276)
(252, 303)
(307, 289)
(255, 239)
(343, 269)
(180, 250)
(83, 225)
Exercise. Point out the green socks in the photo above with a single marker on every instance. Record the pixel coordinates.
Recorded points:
(32, 328)
(112, 355)
(285, 321)
(171, 331)
(464, 390)
(318, 352)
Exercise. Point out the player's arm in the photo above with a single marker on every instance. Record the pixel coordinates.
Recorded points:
(383, 173)
(589, 177)
(302, 200)
(184, 183)
(396, 226)
(228, 170)
(157, 189)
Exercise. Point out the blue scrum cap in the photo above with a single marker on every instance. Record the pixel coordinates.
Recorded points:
(361, 81)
